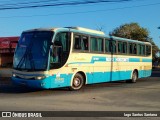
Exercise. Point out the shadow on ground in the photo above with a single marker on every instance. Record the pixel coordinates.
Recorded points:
(6, 85)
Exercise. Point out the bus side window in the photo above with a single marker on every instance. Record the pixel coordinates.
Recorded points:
(96, 44)
(60, 50)
(107, 46)
(113, 46)
(110, 46)
(119, 47)
(77, 42)
(134, 48)
(56, 54)
(84, 43)
(142, 50)
(130, 48)
(139, 49)
(100, 44)
(81, 42)
(148, 50)
(124, 47)
(93, 44)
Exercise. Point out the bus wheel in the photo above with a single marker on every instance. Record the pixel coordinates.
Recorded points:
(134, 77)
(77, 82)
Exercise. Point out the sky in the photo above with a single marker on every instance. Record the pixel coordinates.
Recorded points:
(106, 15)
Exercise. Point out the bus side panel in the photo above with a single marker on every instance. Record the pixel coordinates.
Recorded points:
(62, 80)
(144, 73)
(40, 84)
(99, 77)
(89, 77)
(120, 75)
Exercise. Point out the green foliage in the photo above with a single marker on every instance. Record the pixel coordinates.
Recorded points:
(131, 31)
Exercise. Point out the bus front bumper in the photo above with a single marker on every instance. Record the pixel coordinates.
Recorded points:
(46, 83)
(39, 84)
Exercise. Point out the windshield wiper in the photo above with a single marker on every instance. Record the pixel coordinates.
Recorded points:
(26, 55)
(31, 60)
(21, 60)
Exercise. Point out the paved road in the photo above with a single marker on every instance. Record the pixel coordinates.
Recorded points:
(5, 72)
(120, 96)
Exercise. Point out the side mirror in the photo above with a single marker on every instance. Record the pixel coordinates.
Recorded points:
(51, 43)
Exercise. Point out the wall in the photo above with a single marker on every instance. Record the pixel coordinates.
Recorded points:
(6, 60)
(7, 47)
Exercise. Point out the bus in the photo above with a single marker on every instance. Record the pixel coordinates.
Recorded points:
(75, 56)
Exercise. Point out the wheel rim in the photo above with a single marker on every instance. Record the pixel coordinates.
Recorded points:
(77, 82)
(134, 76)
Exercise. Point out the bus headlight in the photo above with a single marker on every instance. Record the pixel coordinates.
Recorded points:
(14, 75)
(40, 77)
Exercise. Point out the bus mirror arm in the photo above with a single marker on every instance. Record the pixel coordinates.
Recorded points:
(51, 43)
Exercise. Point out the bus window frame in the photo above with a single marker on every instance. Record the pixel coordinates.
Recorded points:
(106, 39)
(144, 55)
(98, 52)
(68, 49)
(81, 38)
(120, 53)
(146, 50)
(104, 45)
(110, 40)
(133, 43)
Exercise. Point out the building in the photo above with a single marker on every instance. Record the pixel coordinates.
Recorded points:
(7, 48)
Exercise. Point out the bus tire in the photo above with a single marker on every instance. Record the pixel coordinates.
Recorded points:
(134, 77)
(77, 82)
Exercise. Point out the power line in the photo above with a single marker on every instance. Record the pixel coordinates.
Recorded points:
(80, 12)
(70, 3)
(26, 2)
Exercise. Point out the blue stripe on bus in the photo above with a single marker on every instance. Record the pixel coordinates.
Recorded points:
(65, 80)
(146, 60)
(114, 59)
(134, 59)
(99, 59)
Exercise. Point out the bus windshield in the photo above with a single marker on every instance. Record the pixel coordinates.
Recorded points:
(32, 51)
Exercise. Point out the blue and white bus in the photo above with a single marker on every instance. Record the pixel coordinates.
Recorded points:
(75, 56)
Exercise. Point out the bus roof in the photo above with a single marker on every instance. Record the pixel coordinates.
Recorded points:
(87, 31)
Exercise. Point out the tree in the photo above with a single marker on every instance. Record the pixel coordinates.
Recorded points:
(135, 32)
(131, 31)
